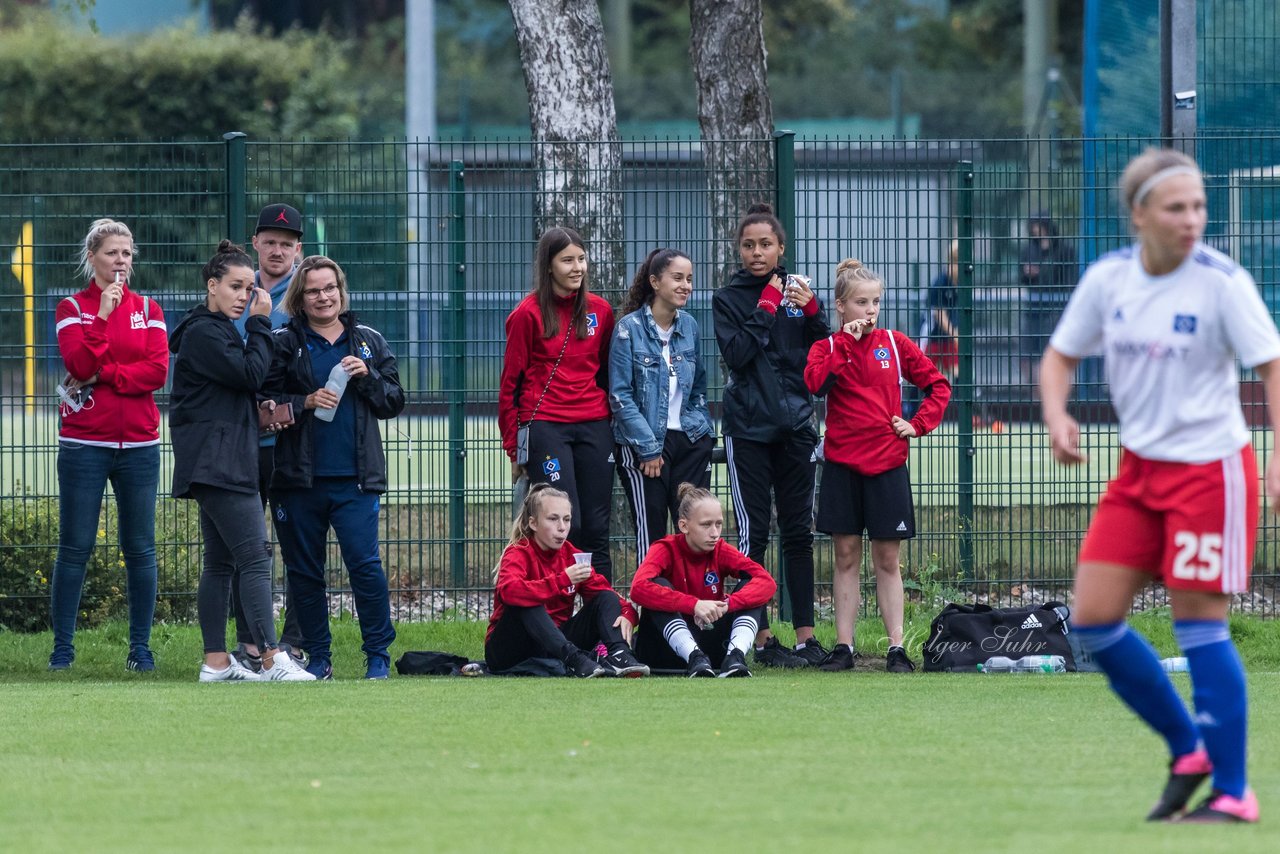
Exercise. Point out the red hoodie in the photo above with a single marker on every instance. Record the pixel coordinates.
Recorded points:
(861, 381)
(698, 575)
(130, 354)
(530, 575)
(578, 391)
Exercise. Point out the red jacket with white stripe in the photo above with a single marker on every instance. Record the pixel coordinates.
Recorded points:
(578, 391)
(862, 382)
(129, 353)
(698, 575)
(530, 575)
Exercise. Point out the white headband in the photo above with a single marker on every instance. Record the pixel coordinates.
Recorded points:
(1150, 184)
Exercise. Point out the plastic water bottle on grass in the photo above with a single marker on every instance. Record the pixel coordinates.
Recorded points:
(997, 664)
(337, 384)
(1041, 664)
(1174, 665)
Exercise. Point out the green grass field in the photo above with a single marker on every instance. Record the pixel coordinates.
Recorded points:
(97, 759)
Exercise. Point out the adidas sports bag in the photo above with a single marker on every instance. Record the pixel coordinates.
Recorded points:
(964, 636)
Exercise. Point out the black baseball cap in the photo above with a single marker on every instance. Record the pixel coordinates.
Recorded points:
(283, 217)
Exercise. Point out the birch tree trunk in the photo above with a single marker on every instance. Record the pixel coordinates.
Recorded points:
(577, 151)
(726, 44)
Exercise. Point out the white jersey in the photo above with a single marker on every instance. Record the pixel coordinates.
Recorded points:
(1170, 344)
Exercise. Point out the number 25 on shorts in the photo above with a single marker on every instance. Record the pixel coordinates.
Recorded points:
(1199, 558)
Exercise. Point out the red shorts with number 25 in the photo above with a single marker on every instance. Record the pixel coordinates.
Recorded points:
(1192, 525)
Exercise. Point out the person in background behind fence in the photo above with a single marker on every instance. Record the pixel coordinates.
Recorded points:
(658, 392)
(114, 345)
(765, 323)
(213, 418)
(1047, 267)
(865, 483)
(277, 240)
(1171, 317)
(683, 578)
(538, 576)
(332, 472)
(553, 407)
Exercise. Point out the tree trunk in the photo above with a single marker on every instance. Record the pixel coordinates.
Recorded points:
(726, 44)
(577, 151)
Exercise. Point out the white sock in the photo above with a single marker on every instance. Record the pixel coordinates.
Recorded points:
(743, 635)
(679, 638)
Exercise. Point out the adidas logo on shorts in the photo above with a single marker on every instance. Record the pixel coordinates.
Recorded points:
(1031, 622)
(902, 526)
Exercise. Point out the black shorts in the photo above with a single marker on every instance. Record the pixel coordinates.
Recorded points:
(850, 503)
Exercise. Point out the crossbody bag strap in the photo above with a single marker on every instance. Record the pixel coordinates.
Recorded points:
(552, 375)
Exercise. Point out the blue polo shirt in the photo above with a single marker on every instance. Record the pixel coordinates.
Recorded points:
(333, 443)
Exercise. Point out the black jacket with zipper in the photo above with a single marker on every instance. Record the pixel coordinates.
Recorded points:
(377, 395)
(765, 398)
(213, 417)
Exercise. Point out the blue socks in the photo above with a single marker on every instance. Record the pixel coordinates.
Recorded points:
(1220, 696)
(1138, 679)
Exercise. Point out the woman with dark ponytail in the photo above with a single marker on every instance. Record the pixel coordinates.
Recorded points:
(213, 419)
(658, 393)
(766, 320)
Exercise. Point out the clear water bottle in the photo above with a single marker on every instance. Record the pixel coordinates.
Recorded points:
(1041, 664)
(337, 384)
(1174, 665)
(997, 664)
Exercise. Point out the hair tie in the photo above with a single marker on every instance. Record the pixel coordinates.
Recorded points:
(1145, 188)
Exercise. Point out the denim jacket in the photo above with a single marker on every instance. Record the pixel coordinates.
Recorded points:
(638, 382)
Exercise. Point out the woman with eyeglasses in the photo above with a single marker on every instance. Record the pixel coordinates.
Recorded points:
(330, 469)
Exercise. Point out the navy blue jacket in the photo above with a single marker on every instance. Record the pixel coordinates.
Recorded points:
(376, 396)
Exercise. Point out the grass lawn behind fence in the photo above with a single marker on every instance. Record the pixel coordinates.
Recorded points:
(786, 761)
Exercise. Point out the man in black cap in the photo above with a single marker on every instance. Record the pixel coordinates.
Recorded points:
(278, 242)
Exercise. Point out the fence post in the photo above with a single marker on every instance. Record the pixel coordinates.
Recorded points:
(784, 194)
(965, 390)
(784, 190)
(237, 168)
(456, 359)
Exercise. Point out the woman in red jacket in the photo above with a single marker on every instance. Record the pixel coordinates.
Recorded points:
(115, 347)
(554, 390)
(865, 484)
(684, 576)
(539, 575)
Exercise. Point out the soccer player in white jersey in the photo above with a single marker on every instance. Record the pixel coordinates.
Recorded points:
(1171, 317)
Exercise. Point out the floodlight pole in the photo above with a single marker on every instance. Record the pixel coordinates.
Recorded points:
(1178, 74)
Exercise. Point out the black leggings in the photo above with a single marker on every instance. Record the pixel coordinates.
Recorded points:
(290, 634)
(235, 543)
(531, 633)
(578, 458)
(651, 642)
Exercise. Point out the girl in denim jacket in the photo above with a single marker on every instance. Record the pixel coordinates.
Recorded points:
(658, 394)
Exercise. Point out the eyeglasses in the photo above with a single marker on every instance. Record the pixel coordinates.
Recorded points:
(315, 293)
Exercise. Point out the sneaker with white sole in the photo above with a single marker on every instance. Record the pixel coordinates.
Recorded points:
(285, 668)
(233, 672)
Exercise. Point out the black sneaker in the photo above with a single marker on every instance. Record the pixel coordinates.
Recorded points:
(812, 652)
(734, 665)
(774, 654)
(247, 660)
(583, 666)
(843, 657)
(897, 662)
(699, 665)
(61, 658)
(624, 664)
(1186, 773)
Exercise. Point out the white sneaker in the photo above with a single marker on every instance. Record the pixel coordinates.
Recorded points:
(284, 668)
(234, 672)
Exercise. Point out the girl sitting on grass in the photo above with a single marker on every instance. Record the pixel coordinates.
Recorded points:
(684, 576)
(538, 576)
(865, 484)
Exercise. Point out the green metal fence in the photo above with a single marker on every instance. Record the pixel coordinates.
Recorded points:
(437, 240)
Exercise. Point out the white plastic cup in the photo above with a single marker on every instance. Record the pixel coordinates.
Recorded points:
(582, 557)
